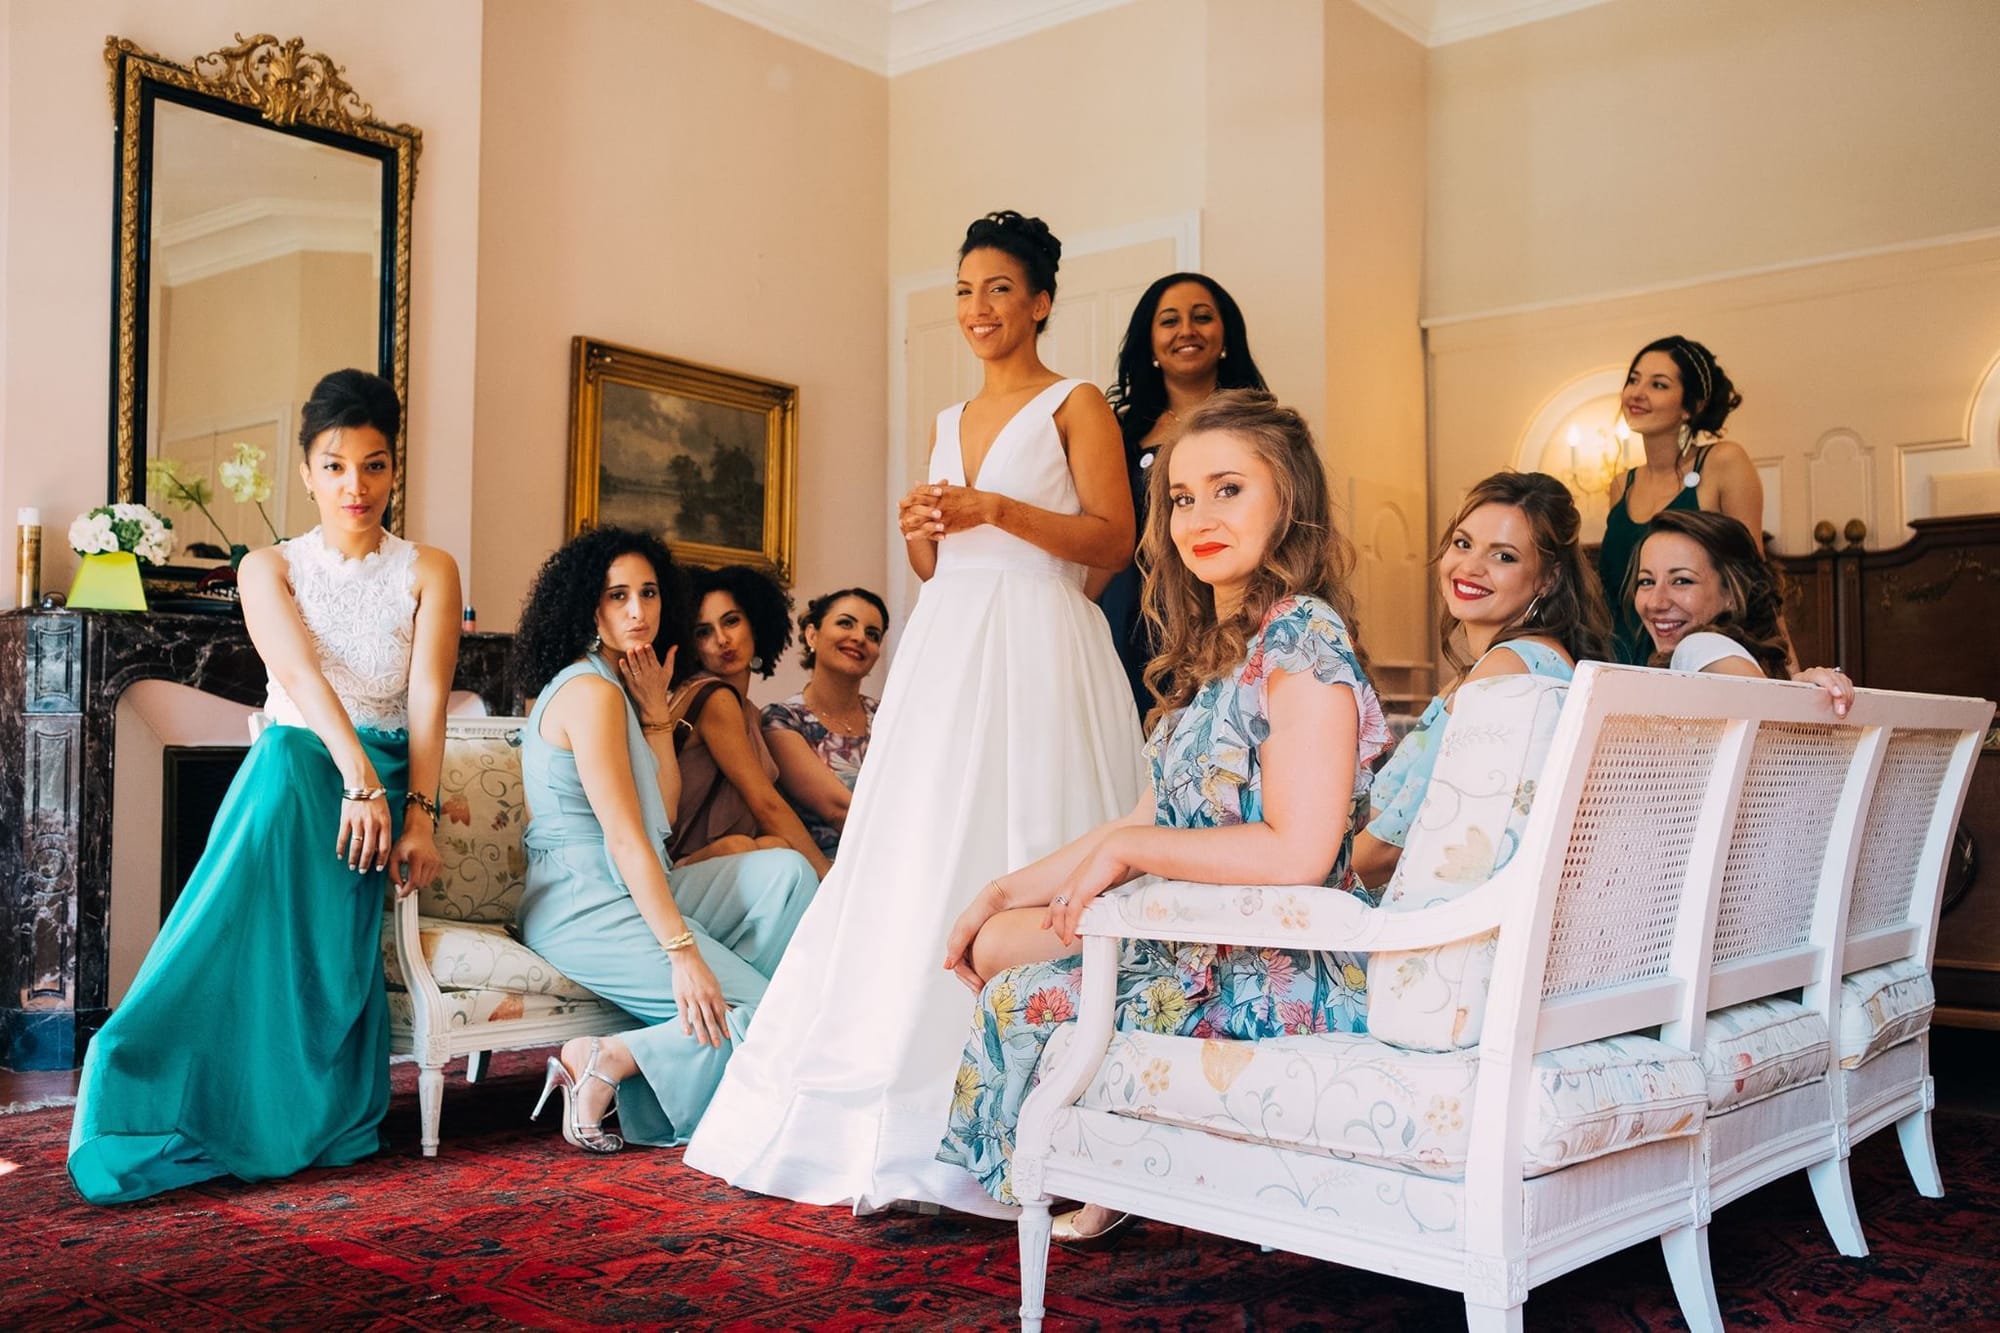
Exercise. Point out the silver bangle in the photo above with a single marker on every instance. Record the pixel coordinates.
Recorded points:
(363, 793)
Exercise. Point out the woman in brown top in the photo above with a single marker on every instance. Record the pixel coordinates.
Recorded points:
(730, 800)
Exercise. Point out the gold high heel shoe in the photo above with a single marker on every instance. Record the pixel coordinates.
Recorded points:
(591, 1136)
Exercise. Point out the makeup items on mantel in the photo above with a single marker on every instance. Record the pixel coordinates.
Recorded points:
(27, 557)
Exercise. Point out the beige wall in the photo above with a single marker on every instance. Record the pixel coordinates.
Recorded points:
(1373, 247)
(416, 63)
(1652, 141)
(661, 175)
(1841, 256)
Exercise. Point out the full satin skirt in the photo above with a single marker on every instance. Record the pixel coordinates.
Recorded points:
(254, 1041)
(1006, 730)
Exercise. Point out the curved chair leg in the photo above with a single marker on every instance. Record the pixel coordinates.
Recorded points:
(1833, 1190)
(475, 1066)
(1914, 1130)
(1694, 1283)
(430, 1100)
(1034, 1230)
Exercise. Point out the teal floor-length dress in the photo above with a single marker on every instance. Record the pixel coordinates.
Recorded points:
(577, 913)
(254, 1041)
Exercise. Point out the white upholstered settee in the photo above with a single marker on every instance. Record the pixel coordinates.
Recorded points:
(1543, 1083)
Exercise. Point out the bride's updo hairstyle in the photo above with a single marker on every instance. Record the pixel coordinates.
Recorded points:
(1308, 555)
(1707, 393)
(1025, 240)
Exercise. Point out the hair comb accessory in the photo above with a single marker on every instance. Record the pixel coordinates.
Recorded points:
(1696, 355)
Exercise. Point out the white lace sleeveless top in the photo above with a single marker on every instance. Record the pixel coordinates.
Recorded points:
(362, 617)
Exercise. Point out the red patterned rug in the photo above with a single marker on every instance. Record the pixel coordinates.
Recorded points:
(509, 1228)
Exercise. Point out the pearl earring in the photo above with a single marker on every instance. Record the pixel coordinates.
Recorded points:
(756, 664)
(1156, 364)
(1225, 355)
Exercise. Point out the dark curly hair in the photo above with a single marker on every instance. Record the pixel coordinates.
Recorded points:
(1026, 240)
(1140, 395)
(816, 611)
(1707, 393)
(559, 617)
(768, 607)
(1753, 591)
(350, 398)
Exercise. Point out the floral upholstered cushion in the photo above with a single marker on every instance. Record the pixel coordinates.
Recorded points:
(1761, 1047)
(478, 956)
(468, 1007)
(1883, 1006)
(1470, 822)
(1353, 1097)
(481, 817)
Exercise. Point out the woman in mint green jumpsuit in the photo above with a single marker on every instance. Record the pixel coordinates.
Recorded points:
(578, 909)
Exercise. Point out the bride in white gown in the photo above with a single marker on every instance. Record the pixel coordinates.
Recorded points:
(1005, 730)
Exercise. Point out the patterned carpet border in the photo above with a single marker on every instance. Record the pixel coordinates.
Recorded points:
(508, 1228)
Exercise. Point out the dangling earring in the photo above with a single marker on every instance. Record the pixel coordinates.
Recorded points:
(596, 642)
(1528, 616)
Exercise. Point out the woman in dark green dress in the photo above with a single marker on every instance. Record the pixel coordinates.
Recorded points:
(1676, 399)
(254, 1041)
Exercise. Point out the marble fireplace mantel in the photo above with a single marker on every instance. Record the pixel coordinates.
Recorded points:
(61, 673)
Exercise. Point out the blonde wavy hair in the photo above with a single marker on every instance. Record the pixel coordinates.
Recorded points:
(1308, 555)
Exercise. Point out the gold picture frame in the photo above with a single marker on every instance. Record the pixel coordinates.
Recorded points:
(706, 459)
(280, 86)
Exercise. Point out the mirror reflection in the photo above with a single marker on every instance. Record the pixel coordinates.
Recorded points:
(266, 269)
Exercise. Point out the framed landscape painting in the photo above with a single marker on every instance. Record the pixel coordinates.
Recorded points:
(707, 459)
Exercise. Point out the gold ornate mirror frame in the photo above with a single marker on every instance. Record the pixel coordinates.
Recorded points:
(286, 88)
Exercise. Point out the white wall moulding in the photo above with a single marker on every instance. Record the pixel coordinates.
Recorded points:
(1441, 22)
(1840, 483)
(891, 37)
(1758, 283)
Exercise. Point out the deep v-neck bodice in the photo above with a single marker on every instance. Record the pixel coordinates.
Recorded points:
(1024, 462)
(969, 476)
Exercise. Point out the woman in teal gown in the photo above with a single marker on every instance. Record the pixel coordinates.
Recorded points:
(687, 950)
(254, 1040)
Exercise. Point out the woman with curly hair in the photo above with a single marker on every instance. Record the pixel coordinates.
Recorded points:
(1263, 742)
(819, 736)
(685, 949)
(730, 801)
(1710, 601)
(1186, 340)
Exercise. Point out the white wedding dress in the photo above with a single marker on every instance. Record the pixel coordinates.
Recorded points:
(1006, 729)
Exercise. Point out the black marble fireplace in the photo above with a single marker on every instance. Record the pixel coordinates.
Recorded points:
(61, 673)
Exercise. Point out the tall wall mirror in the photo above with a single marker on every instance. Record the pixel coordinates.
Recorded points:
(261, 239)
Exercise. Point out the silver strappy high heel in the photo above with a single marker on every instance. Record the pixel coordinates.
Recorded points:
(591, 1136)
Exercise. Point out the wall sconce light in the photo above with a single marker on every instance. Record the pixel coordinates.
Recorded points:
(1596, 458)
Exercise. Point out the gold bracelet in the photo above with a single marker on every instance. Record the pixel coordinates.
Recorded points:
(650, 727)
(681, 941)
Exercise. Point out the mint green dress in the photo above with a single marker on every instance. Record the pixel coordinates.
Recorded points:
(254, 1041)
(577, 912)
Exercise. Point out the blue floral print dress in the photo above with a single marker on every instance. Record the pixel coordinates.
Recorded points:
(1205, 774)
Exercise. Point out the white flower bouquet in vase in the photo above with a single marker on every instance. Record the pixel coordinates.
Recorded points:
(113, 539)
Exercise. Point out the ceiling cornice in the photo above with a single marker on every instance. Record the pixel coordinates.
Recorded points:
(891, 37)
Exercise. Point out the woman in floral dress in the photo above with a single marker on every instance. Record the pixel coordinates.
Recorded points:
(1259, 757)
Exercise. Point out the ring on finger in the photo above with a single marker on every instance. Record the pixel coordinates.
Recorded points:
(1062, 899)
